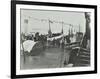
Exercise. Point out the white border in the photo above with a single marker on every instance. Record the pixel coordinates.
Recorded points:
(54, 70)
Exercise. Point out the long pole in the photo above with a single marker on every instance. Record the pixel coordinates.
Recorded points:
(62, 57)
(49, 28)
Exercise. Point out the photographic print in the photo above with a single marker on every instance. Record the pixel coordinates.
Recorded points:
(54, 39)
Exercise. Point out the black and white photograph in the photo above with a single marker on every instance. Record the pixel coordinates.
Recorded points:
(53, 39)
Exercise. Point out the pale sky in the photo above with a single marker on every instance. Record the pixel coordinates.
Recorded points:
(34, 25)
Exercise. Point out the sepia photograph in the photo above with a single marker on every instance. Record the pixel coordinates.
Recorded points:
(54, 39)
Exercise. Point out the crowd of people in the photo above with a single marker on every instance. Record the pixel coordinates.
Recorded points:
(35, 37)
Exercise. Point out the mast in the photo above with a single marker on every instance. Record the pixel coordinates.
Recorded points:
(87, 33)
(87, 17)
(62, 28)
(49, 31)
(79, 28)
